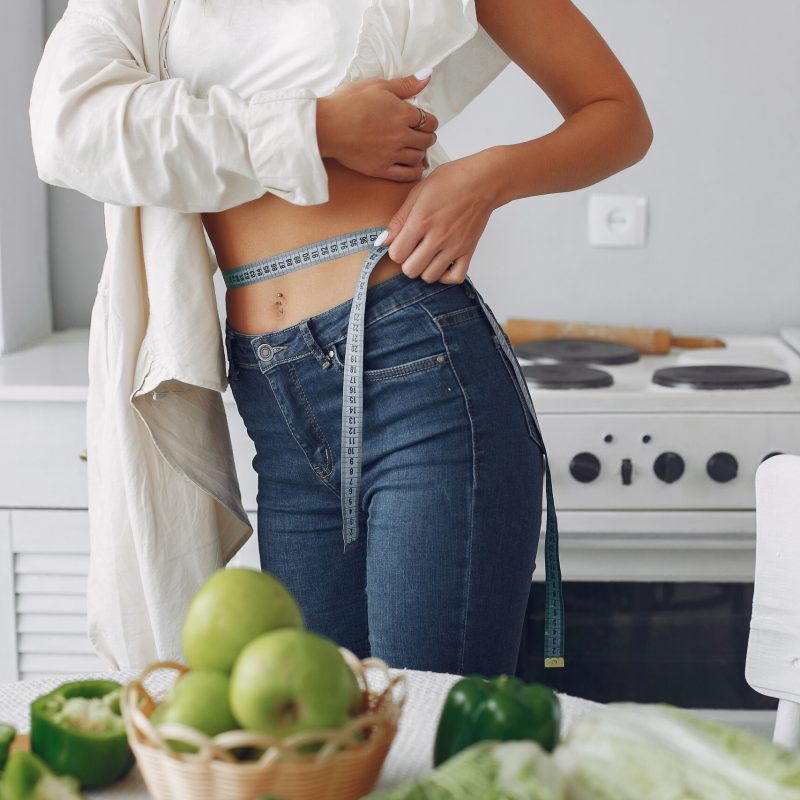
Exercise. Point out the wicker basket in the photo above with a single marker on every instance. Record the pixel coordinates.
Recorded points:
(344, 768)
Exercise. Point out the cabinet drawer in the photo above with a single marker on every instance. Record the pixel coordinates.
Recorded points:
(40, 463)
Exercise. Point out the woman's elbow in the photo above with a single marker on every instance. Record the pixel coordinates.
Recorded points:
(640, 130)
(644, 134)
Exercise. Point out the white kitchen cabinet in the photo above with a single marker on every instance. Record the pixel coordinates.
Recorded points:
(44, 534)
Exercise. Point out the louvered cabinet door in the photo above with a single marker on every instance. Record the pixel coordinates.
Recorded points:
(46, 564)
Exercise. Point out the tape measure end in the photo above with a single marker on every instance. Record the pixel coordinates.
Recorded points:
(553, 662)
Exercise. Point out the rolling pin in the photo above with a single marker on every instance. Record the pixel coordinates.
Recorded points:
(643, 340)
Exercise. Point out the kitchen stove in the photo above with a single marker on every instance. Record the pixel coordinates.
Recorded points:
(657, 437)
(589, 351)
(565, 375)
(654, 483)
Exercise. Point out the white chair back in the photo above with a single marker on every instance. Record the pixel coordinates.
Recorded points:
(773, 649)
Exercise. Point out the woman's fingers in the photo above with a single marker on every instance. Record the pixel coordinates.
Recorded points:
(400, 172)
(439, 269)
(411, 156)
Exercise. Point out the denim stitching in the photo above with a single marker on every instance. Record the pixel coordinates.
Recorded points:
(451, 318)
(420, 365)
(289, 425)
(474, 487)
(400, 306)
(517, 389)
(252, 336)
(389, 311)
(399, 371)
(266, 366)
(311, 418)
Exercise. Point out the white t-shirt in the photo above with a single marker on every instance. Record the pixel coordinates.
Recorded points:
(252, 45)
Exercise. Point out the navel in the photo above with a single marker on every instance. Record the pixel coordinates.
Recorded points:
(278, 305)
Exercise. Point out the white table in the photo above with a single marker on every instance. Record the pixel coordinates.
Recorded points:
(409, 757)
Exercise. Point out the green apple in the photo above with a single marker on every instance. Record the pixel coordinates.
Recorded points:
(200, 700)
(292, 680)
(230, 609)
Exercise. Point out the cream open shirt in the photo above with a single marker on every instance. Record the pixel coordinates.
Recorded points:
(164, 503)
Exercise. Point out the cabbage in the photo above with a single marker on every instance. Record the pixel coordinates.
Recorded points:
(488, 770)
(630, 751)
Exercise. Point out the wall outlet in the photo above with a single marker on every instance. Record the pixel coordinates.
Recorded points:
(617, 220)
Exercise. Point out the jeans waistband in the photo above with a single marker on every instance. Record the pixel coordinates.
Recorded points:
(327, 327)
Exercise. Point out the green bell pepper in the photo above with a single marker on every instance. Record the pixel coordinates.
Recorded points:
(77, 730)
(7, 736)
(501, 709)
(27, 777)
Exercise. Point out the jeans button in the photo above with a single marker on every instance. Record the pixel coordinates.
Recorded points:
(265, 352)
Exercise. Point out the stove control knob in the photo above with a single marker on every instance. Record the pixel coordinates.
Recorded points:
(668, 467)
(722, 467)
(627, 471)
(585, 467)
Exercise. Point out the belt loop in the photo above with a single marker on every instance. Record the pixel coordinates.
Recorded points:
(316, 348)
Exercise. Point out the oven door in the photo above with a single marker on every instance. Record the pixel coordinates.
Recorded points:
(657, 608)
(657, 642)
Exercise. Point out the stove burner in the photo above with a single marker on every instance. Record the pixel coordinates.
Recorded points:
(566, 376)
(584, 350)
(720, 376)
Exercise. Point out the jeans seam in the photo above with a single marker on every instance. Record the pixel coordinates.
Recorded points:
(472, 495)
(422, 365)
(273, 363)
(312, 420)
(393, 310)
(518, 391)
(400, 371)
(469, 313)
(294, 434)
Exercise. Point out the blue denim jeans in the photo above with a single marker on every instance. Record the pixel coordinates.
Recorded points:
(452, 477)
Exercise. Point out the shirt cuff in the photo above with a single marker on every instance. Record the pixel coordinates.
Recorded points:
(282, 137)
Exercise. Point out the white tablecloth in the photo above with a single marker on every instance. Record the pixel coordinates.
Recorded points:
(409, 757)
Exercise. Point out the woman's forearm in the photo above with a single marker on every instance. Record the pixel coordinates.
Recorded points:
(598, 140)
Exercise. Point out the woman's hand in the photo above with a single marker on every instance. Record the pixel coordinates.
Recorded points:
(442, 220)
(366, 125)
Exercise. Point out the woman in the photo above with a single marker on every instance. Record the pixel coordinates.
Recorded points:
(391, 416)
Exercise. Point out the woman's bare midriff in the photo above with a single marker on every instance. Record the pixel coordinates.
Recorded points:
(270, 225)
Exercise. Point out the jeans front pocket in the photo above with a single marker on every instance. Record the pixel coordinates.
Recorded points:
(401, 343)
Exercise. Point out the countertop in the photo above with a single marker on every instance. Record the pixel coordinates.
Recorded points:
(409, 757)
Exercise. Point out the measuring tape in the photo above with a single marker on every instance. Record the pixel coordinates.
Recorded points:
(352, 386)
(353, 401)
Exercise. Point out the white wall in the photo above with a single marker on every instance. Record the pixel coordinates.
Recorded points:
(719, 79)
(25, 312)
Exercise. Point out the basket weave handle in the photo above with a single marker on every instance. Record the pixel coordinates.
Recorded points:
(382, 713)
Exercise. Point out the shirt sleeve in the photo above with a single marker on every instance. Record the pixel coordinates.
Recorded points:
(105, 126)
(447, 36)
